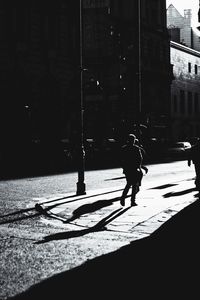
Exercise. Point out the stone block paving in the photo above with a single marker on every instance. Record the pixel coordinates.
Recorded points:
(101, 209)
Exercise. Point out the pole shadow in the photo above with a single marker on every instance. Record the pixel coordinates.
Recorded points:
(80, 197)
(26, 210)
(180, 193)
(165, 262)
(77, 213)
(40, 209)
(100, 226)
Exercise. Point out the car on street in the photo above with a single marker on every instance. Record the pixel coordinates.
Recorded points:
(178, 150)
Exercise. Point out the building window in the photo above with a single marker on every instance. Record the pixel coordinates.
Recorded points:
(189, 67)
(195, 69)
(182, 102)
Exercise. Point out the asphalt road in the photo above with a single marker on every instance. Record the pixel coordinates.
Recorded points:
(36, 245)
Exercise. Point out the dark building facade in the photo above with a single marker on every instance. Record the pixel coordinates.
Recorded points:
(126, 69)
(132, 64)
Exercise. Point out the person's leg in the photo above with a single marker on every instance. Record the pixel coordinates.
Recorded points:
(140, 176)
(135, 188)
(124, 193)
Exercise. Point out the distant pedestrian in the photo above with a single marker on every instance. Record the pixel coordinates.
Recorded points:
(137, 142)
(194, 156)
(143, 155)
(131, 159)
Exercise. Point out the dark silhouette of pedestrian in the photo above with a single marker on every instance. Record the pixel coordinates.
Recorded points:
(143, 155)
(194, 156)
(131, 160)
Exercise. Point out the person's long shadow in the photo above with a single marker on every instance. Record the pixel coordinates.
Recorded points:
(163, 264)
(39, 209)
(30, 212)
(77, 213)
(100, 226)
(90, 207)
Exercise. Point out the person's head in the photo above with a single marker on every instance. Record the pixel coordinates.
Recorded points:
(131, 138)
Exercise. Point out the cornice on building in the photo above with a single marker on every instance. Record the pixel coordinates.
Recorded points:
(184, 48)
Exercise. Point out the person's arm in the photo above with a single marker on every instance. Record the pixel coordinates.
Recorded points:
(139, 159)
(145, 168)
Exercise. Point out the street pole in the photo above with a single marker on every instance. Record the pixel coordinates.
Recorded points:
(139, 109)
(139, 60)
(81, 155)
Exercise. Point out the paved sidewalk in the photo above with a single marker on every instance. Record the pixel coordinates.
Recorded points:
(161, 261)
(102, 209)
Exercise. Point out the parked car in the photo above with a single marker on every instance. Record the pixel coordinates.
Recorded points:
(178, 150)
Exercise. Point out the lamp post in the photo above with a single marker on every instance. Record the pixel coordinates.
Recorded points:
(139, 81)
(81, 153)
(139, 60)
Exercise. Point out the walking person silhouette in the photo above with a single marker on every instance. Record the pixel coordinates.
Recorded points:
(131, 160)
(194, 156)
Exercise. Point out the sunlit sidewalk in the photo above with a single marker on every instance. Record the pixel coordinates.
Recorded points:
(101, 210)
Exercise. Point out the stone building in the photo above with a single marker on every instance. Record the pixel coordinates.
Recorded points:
(185, 92)
(180, 28)
(185, 89)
